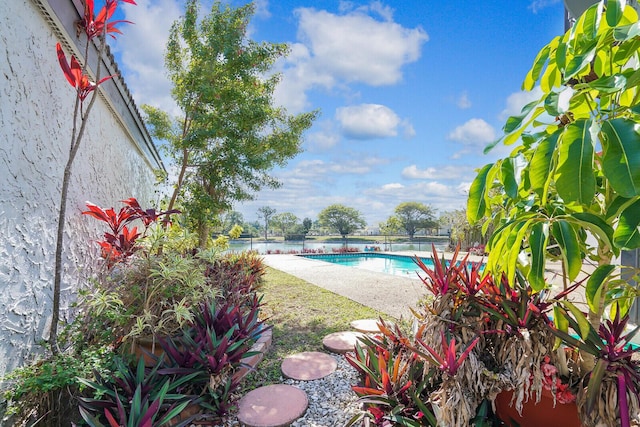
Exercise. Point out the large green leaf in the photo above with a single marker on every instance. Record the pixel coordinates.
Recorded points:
(561, 56)
(477, 202)
(575, 179)
(590, 22)
(593, 290)
(584, 327)
(633, 79)
(514, 245)
(609, 84)
(541, 166)
(614, 12)
(627, 235)
(627, 32)
(551, 77)
(621, 159)
(626, 50)
(579, 63)
(534, 73)
(551, 103)
(508, 177)
(510, 138)
(538, 243)
(616, 207)
(567, 239)
(596, 226)
(515, 122)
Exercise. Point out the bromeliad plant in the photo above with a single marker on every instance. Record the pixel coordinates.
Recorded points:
(395, 383)
(613, 387)
(570, 190)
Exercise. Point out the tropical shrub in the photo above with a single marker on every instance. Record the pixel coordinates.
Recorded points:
(134, 397)
(395, 383)
(570, 189)
(211, 350)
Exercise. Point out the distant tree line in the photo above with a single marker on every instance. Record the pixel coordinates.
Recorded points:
(409, 219)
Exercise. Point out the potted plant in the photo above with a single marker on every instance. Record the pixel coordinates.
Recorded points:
(570, 192)
(154, 282)
(212, 350)
(134, 397)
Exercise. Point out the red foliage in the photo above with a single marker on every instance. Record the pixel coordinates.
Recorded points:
(121, 242)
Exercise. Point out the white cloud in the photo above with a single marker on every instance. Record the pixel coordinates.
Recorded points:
(322, 141)
(408, 131)
(463, 102)
(334, 50)
(368, 121)
(262, 9)
(449, 172)
(392, 186)
(517, 100)
(142, 49)
(356, 47)
(475, 132)
(537, 5)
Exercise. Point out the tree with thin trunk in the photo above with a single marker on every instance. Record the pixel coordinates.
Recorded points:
(265, 213)
(343, 219)
(92, 26)
(230, 134)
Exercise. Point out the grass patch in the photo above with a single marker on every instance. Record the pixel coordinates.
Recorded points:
(301, 314)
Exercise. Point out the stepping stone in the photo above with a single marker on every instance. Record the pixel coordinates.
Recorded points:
(307, 366)
(275, 405)
(368, 326)
(341, 342)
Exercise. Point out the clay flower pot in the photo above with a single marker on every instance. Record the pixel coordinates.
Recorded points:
(538, 414)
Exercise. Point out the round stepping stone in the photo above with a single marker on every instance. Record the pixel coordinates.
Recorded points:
(307, 366)
(341, 342)
(367, 326)
(272, 406)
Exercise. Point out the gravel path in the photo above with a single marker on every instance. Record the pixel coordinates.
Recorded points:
(331, 401)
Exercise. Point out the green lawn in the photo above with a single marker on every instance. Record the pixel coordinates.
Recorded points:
(301, 314)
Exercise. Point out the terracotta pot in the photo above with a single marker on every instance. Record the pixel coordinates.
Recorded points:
(143, 347)
(538, 414)
(187, 413)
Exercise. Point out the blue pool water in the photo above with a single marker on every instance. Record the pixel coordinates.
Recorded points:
(380, 263)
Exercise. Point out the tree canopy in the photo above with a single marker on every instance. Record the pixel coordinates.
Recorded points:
(414, 216)
(342, 219)
(284, 221)
(229, 135)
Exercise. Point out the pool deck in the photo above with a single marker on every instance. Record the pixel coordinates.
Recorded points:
(388, 294)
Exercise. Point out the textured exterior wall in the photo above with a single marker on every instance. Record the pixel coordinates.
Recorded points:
(36, 105)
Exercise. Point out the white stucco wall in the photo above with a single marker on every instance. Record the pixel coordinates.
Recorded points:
(36, 105)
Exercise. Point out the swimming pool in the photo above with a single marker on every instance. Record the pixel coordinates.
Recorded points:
(398, 265)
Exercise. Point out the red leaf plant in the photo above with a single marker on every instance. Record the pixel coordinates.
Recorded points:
(95, 25)
(121, 242)
(75, 75)
(78, 77)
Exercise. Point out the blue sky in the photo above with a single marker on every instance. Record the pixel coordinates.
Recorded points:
(409, 92)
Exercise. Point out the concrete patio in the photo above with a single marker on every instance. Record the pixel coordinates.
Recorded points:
(389, 294)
